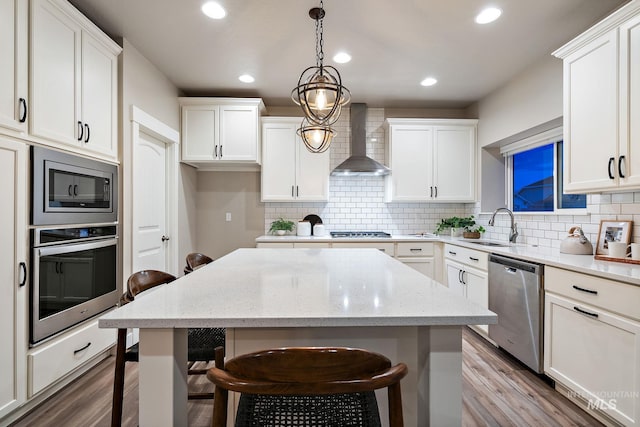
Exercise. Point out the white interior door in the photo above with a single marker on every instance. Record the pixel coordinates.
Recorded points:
(149, 204)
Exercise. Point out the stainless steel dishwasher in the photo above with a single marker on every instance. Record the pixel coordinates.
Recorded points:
(516, 295)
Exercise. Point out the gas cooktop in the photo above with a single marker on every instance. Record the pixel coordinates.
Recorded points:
(360, 234)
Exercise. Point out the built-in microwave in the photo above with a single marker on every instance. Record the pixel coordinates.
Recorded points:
(69, 189)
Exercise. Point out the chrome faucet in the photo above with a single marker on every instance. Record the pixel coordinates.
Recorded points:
(513, 234)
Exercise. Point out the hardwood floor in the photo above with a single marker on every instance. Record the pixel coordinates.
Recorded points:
(497, 391)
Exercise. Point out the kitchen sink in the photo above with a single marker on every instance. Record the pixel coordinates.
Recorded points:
(485, 243)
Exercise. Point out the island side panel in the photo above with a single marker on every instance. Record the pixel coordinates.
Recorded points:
(399, 344)
(163, 378)
(440, 377)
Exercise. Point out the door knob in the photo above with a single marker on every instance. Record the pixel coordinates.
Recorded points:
(165, 238)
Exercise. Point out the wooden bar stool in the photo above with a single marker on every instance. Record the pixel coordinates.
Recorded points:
(310, 386)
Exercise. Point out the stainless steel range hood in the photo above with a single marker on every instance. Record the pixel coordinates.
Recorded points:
(358, 164)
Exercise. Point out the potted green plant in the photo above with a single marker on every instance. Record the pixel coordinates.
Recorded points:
(473, 231)
(455, 224)
(281, 226)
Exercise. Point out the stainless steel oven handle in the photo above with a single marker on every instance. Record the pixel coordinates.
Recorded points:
(76, 247)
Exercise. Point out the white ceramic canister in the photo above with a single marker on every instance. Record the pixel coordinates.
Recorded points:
(319, 230)
(303, 228)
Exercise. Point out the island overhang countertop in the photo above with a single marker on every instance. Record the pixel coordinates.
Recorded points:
(252, 288)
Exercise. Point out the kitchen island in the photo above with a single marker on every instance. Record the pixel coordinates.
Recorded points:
(298, 297)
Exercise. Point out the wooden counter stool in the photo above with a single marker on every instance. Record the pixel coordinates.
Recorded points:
(196, 260)
(310, 386)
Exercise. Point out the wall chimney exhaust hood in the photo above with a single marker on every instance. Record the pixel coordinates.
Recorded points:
(358, 164)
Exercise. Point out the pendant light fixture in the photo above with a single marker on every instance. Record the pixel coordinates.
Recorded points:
(320, 93)
(316, 138)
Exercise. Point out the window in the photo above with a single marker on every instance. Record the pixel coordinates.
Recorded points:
(535, 178)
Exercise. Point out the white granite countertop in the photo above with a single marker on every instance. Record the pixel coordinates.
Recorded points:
(629, 273)
(299, 288)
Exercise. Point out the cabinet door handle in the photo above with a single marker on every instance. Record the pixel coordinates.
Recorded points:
(165, 238)
(70, 190)
(589, 291)
(23, 106)
(620, 160)
(594, 315)
(462, 275)
(297, 191)
(474, 259)
(220, 150)
(453, 253)
(436, 192)
(216, 152)
(88, 135)
(416, 249)
(82, 349)
(611, 160)
(75, 190)
(293, 194)
(431, 193)
(80, 131)
(23, 268)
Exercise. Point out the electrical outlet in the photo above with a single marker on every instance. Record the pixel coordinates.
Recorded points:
(228, 217)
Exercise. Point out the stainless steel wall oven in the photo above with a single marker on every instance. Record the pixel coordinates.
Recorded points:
(75, 276)
(74, 240)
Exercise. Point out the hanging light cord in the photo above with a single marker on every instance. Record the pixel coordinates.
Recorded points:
(319, 39)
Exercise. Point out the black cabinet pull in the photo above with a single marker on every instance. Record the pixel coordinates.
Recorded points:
(611, 160)
(436, 192)
(462, 275)
(620, 160)
(82, 349)
(416, 249)
(453, 253)
(88, 135)
(23, 105)
(75, 190)
(297, 191)
(474, 259)
(589, 291)
(431, 194)
(594, 315)
(459, 276)
(220, 150)
(23, 267)
(80, 131)
(293, 194)
(70, 191)
(216, 152)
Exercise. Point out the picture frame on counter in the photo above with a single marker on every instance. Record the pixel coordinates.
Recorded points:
(612, 231)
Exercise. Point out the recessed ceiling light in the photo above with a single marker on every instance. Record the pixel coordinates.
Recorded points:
(246, 78)
(429, 81)
(342, 57)
(213, 10)
(487, 15)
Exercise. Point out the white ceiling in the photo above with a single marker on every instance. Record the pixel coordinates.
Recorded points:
(394, 44)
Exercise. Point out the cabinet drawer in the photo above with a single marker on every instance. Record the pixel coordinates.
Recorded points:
(386, 247)
(618, 297)
(477, 259)
(49, 362)
(415, 249)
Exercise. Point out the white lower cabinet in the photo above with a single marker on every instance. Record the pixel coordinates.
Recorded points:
(417, 255)
(13, 288)
(590, 348)
(466, 274)
(51, 361)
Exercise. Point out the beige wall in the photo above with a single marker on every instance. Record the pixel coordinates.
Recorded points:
(143, 85)
(237, 193)
(530, 99)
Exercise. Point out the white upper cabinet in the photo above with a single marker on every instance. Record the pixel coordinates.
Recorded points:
(601, 98)
(431, 160)
(221, 133)
(289, 171)
(13, 67)
(73, 80)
